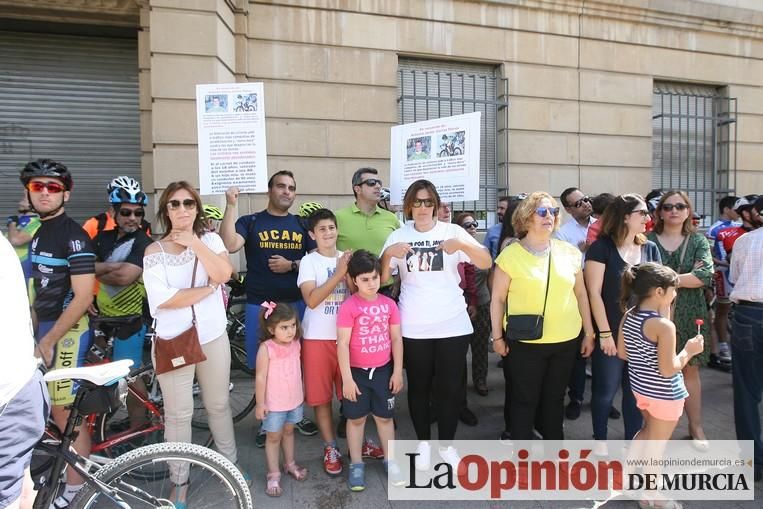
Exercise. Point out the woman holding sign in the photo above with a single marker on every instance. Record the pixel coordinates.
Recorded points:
(540, 300)
(435, 324)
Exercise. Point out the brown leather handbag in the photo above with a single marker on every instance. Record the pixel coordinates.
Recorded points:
(182, 350)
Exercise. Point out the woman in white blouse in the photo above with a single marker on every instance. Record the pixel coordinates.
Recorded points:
(435, 324)
(167, 272)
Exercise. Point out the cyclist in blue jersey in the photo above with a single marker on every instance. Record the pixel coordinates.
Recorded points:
(63, 275)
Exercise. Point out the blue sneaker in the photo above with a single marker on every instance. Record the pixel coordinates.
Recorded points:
(357, 479)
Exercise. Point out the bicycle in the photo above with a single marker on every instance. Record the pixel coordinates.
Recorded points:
(125, 483)
(241, 394)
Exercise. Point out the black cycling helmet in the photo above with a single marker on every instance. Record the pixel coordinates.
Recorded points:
(46, 168)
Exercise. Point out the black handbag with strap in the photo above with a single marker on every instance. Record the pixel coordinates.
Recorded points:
(527, 327)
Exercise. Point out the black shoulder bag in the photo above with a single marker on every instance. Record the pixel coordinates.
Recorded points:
(527, 327)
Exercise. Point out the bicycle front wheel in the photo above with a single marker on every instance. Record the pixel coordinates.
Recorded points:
(213, 480)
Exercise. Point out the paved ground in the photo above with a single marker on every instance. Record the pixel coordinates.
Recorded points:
(321, 491)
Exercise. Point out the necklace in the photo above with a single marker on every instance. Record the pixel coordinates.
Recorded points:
(542, 252)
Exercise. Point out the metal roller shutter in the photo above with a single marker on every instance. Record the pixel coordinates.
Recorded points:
(73, 99)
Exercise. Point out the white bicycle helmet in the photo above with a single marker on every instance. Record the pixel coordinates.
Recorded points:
(129, 184)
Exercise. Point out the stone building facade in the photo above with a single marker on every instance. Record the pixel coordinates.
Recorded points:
(579, 78)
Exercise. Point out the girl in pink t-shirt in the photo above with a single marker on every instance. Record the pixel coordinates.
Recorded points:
(279, 404)
(370, 354)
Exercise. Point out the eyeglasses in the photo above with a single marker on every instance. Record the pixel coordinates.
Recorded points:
(188, 204)
(680, 207)
(137, 212)
(643, 212)
(371, 182)
(581, 201)
(469, 224)
(52, 187)
(417, 203)
(544, 211)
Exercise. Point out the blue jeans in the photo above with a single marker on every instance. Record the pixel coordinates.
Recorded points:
(609, 373)
(252, 319)
(747, 372)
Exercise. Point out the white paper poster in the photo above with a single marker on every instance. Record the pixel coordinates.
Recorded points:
(445, 151)
(231, 126)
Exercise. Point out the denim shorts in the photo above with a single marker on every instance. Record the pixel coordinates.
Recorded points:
(274, 421)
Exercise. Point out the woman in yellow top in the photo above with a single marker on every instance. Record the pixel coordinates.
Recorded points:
(539, 370)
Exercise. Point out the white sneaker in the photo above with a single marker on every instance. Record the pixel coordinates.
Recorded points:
(423, 458)
(600, 448)
(450, 455)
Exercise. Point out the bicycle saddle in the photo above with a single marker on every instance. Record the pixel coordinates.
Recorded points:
(100, 374)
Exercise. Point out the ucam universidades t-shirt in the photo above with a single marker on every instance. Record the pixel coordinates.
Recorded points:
(320, 322)
(267, 235)
(370, 341)
(432, 303)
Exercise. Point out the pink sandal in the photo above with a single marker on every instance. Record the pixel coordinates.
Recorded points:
(273, 488)
(297, 472)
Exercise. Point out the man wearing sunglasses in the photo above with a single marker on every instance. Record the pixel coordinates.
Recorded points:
(578, 206)
(105, 220)
(63, 274)
(118, 269)
(365, 225)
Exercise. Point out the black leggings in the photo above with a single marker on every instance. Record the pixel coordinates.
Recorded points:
(421, 356)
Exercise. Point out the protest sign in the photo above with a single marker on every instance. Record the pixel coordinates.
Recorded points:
(445, 151)
(231, 127)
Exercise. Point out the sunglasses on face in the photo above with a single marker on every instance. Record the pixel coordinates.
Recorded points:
(127, 213)
(642, 212)
(469, 224)
(418, 203)
(581, 201)
(52, 187)
(544, 211)
(372, 182)
(678, 206)
(188, 204)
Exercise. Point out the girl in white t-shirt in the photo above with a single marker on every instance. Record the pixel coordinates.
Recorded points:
(434, 320)
(167, 273)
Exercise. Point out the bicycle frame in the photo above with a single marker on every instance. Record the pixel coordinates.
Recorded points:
(129, 434)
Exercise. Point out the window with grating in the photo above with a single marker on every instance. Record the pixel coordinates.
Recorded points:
(432, 89)
(694, 143)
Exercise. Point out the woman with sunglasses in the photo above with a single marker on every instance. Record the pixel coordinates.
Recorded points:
(621, 243)
(168, 270)
(435, 322)
(686, 251)
(478, 307)
(539, 275)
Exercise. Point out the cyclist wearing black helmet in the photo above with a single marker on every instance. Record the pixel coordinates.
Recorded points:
(63, 275)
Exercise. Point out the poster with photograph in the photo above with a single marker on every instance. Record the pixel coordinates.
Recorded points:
(445, 151)
(231, 126)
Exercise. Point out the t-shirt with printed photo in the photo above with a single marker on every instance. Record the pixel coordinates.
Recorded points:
(370, 320)
(432, 304)
(320, 322)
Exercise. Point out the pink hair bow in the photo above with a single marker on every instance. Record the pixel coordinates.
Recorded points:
(269, 306)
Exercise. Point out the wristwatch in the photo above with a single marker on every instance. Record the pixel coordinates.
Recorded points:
(294, 266)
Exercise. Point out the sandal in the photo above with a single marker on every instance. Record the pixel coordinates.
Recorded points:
(273, 488)
(297, 472)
